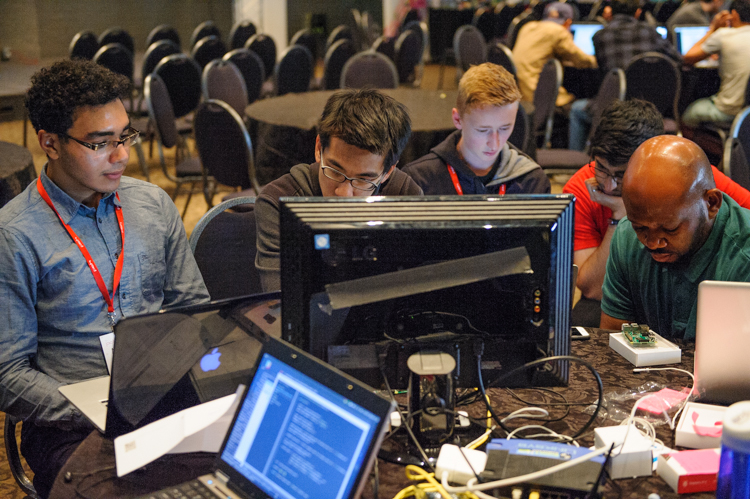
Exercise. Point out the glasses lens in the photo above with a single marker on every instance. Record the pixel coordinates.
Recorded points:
(333, 174)
(363, 185)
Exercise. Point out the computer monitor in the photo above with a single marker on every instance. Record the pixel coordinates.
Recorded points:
(687, 35)
(366, 282)
(583, 34)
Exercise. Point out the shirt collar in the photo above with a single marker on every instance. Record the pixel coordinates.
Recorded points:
(707, 252)
(65, 205)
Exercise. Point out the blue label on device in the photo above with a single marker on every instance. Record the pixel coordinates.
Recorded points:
(322, 241)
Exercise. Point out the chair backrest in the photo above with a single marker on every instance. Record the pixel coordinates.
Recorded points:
(182, 76)
(737, 150)
(83, 45)
(369, 69)
(160, 110)
(224, 246)
(156, 52)
(224, 145)
(240, 33)
(521, 135)
(469, 46)
(117, 35)
(484, 21)
(204, 29)
(340, 32)
(223, 81)
(207, 49)
(408, 50)
(641, 74)
(517, 23)
(251, 67)
(116, 58)
(612, 88)
(545, 96)
(294, 70)
(306, 38)
(333, 64)
(163, 32)
(504, 15)
(386, 46)
(14, 458)
(265, 47)
(501, 55)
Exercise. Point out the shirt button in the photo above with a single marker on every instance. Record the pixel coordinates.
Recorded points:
(100, 220)
(124, 296)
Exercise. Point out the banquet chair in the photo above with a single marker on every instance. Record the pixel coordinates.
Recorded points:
(305, 38)
(162, 32)
(207, 49)
(737, 150)
(155, 53)
(386, 46)
(340, 32)
(265, 47)
(204, 29)
(333, 64)
(224, 247)
(117, 35)
(470, 48)
(117, 58)
(294, 70)
(223, 81)
(369, 69)
(251, 67)
(641, 73)
(83, 46)
(517, 23)
(14, 458)
(521, 134)
(501, 55)
(420, 28)
(240, 33)
(408, 50)
(182, 77)
(187, 169)
(224, 147)
(504, 15)
(484, 20)
(545, 96)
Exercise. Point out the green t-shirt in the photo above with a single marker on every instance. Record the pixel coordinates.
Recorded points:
(664, 296)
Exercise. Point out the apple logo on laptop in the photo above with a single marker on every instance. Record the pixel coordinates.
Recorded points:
(210, 361)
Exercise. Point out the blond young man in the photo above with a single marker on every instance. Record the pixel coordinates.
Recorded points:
(477, 158)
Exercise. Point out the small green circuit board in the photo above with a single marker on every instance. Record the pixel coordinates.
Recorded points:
(639, 335)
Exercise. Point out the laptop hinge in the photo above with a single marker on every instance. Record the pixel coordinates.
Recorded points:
(221, 477)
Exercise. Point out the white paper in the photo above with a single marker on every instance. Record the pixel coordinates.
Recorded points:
(108, 346)
(199, 428)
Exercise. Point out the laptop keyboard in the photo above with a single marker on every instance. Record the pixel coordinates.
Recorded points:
(194, 489)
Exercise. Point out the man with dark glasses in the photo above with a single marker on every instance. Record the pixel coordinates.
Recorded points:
(80, 248)
(361, 135)
(598, 189)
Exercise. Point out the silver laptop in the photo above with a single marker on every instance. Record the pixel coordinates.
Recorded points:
(722, 342)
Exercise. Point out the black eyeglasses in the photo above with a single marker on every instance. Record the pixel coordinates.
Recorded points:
(108, 146)
(358, 183)
(600, 170)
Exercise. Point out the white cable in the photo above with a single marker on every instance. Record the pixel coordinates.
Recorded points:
(471, 487)
(690, 393)
(522, 413)
(549, 432)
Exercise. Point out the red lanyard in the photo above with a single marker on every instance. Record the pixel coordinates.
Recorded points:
(457, 184)
(90, 261)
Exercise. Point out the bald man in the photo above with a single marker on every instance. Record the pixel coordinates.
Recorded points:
(680, 230)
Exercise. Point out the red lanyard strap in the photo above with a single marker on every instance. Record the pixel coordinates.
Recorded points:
(90, 261)
(457, 184)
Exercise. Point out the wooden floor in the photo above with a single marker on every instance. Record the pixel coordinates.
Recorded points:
(13, 132)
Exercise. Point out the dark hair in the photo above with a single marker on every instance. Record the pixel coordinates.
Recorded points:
(368, 120)
(743, 9)
(624, 126)
(627, 7)
(56, 92)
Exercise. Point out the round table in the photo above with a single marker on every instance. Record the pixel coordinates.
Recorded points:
(16, 170)
(283, 130)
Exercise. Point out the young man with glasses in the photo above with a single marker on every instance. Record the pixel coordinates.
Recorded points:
(361, 135)
(80, 248)
(598, 189)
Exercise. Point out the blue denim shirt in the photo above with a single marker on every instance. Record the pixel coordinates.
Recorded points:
(51, 310)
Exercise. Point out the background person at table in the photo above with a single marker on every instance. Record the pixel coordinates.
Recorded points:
(696, 12)
(540, 41)
(731, 43)
(614, 46)
(680, 230)
(477, 158)
(624, 126)
(361, 135)
(52, 311)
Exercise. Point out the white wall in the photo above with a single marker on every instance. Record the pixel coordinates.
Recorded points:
(269, 16)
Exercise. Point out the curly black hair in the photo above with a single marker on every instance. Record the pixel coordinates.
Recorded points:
(56, 92)
(624, 126)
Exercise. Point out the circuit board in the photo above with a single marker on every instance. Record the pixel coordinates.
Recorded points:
(639, 334)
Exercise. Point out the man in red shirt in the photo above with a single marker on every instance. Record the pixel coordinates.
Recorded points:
(598, 189)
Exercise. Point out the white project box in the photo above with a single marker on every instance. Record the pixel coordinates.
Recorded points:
(703, 416)
(662, 352)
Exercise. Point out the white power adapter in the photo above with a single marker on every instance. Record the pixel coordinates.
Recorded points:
(455, 461)
(631, 459)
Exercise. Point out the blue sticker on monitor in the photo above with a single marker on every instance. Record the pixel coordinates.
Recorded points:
(322, 241)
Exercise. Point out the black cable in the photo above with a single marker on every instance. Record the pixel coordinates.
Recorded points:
(487, 399)
(565, 403)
